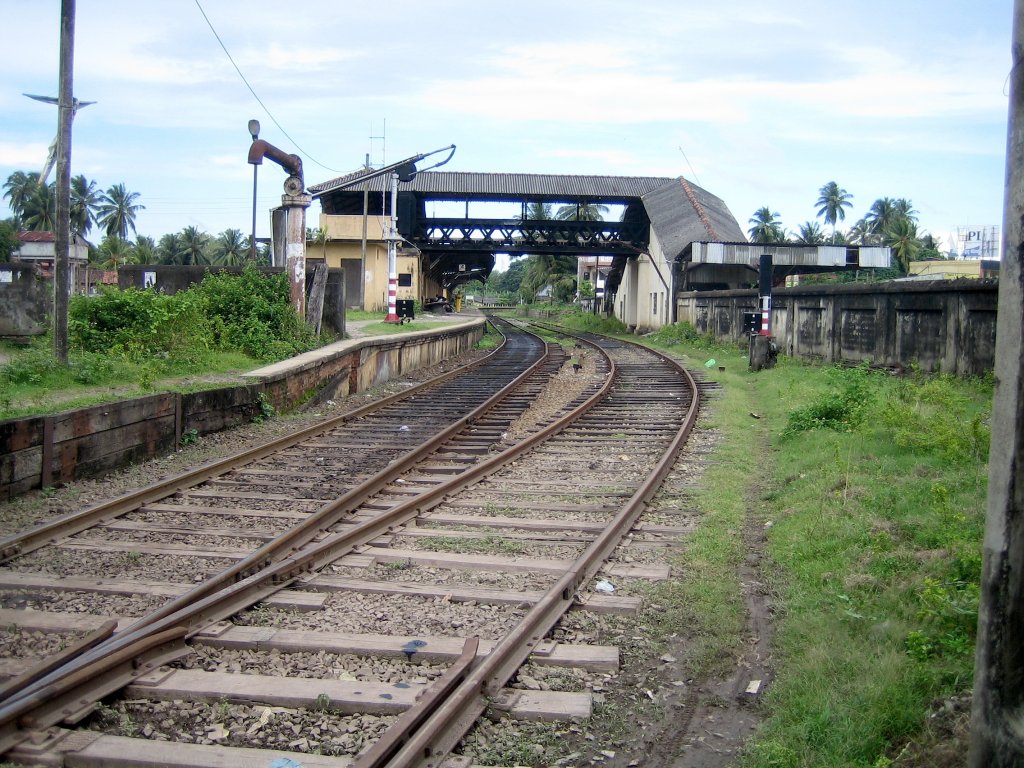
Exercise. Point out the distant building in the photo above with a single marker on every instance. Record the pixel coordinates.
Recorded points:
(953, 269)
(40, 248)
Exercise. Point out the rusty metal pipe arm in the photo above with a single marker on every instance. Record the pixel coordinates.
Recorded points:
(261, 149)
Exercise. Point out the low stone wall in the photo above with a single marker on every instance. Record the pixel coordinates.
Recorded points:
(26, 298)
(40, 451)
(946, 326)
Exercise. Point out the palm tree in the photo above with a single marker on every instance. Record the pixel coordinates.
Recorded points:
(144, 250)
(881, 215)
(810, 234)
(85, 200)
(230, 248)
(581, 212)
(547, 269)
(114, 251)
(39, 209)
(861, 234)
(904, 209)
(539, 212)
(118, 210)
(767, 227)
(832, 201)
(194, 242)
(902, 238)
(20, 187)
(170, 249)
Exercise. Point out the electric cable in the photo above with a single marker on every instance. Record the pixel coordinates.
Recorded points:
(256, 96)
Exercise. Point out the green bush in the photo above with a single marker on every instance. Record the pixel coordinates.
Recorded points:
(136, 325)
(842, 408)
(932, 416)
(252, 312)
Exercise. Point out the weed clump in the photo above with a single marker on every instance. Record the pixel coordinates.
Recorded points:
(842, 408)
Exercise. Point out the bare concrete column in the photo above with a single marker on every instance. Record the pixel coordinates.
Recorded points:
(295, 247)
(997, 717)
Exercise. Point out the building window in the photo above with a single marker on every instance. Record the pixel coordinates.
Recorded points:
(654, 304)
(405, 280)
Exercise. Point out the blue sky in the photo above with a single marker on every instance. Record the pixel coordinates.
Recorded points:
(760, 105)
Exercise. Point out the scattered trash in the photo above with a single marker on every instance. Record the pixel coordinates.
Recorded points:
(711, 363)
(668, 658)
(403, 428)
(605, 586)
(756, 416)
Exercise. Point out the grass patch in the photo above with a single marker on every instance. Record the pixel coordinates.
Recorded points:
(878, 500)
(32, 382)
(491, 544)
(872, 488)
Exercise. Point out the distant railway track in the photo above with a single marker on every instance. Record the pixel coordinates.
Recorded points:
(448, 566)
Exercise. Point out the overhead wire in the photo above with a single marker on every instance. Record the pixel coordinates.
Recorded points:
(256, 96)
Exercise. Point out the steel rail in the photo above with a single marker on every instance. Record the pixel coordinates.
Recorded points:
(455, 714)
(210, 607)
(76, 522)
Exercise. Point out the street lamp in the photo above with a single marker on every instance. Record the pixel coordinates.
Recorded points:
(254, 131)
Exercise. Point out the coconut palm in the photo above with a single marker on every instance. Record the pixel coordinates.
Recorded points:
(539, 212)
(19, 187)
(881, 215)
(117, 211)
(195, 242)
(144, 250)
(810, 234)
(833, 201)
(230, 248)
(39, 209)
(904, 209)
(581, 212)
(85, 201)
(902, 238)
(115, 251)
(547, 269)
(170, 249)
(767, 227)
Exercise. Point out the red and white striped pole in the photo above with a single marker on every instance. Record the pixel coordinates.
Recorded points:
(393, 256)
(765, 291)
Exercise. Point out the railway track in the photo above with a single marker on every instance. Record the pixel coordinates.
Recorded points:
(373, 609)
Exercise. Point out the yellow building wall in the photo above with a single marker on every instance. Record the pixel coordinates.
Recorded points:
(344, 244)
(946, 269)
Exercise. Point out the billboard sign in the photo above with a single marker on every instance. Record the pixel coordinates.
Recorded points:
(978, 242)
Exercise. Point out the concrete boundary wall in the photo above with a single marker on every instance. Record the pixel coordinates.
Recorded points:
(39, 451)
(946, 326)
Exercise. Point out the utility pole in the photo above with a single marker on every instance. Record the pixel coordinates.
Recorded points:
(62, 237)
(997, 739)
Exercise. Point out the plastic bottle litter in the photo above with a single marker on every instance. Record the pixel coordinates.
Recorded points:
(711, 363)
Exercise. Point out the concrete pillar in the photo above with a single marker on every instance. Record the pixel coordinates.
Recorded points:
(295, 246)
(997, 716)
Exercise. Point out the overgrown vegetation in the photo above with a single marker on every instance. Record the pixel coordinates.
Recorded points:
(870, 490)
(131, 339)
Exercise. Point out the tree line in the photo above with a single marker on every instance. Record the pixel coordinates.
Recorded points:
(888, 221)
(112, 212)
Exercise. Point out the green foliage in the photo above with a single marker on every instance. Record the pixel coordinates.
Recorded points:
(685, 333)
(252, 312)
(841, 408)
(265, 408)
(949, 612)
(190, 438)
(136, 324)
(932, 416)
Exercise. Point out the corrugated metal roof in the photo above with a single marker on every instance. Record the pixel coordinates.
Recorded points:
(677, 223)
(512, 186)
